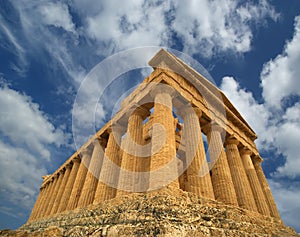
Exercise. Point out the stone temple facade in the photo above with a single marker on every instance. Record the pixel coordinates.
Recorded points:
(175, 131)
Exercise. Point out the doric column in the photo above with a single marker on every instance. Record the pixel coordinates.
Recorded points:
(80, 178)
(220, 173)
(55, 191)
(92, 177)
(181, 168)
(258, 194)
(109, 175)
(69, 185)
(42, 201)
(198, 177)
(47, 197)
(36, 205)
(131, 165)
(163, 164)
(265, 187)
(62, 187)
(181, 178)
(51, 196)
(41, 207)
(239, 177)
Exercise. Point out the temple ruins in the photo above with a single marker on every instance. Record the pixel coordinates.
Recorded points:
(175, 130)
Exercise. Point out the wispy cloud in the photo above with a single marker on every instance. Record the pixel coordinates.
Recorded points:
(57, 14)
(15, 47)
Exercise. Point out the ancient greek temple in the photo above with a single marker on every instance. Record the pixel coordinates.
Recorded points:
(176, 130)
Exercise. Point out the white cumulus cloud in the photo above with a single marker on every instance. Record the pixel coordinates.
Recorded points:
(280, 76)
(212, 26)
(27, 137)
(218, 26)
(22, 121)
(20, 175)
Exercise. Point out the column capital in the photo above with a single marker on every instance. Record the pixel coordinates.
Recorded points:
(61, 171)
(99, 140)
(76, 160)
(50, 180)
(245, 151)
(69, 165)
(231, 140)
(139, 110)
(44, 185)
(117, 127)
(212, 126)
(188, 109)
(160, 89)
(257, 159)
(85, 152)
(44, 177)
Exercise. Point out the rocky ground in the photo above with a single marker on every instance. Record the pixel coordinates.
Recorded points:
(160, 213)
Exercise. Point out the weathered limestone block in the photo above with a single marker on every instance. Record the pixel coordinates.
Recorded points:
(239, 177)
(258, 194)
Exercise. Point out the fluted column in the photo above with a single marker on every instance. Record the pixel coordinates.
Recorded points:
(49, 202)
(109, 175)
(198, 177)
(92, 177)
(131, 165)
(265, 187)
(144, 165)
(69, 185)
(55, 191)
(41, 205)
(80, 178)
(181, 168)
(41, 208)
(220, 172)
(36, 206)
(239, 177)
(47, 197)
(257, 191)
(163, 164)
(61, 189)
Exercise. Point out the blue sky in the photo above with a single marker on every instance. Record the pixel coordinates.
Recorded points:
(251, 49)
